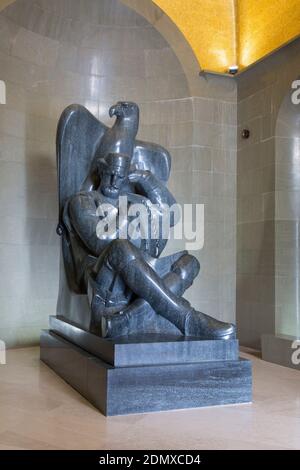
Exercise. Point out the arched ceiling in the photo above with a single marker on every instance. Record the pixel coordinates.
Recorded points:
(234, 32)
(223, 33)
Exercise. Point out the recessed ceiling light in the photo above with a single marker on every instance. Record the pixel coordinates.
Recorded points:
(233, 69)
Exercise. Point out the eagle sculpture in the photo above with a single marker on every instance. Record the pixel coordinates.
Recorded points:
(112, 286)
(81, 139)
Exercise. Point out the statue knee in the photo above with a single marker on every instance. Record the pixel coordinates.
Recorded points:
(121, 253)
(187, 267)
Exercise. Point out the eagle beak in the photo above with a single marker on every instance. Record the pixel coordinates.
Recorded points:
(112, 111)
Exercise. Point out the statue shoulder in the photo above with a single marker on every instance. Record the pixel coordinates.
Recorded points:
(82, 204)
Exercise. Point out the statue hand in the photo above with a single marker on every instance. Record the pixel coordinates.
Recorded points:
(138, 176)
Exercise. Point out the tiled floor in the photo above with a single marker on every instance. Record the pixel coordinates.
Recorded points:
(39, 411)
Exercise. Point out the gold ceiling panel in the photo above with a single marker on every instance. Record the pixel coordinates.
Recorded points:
(264, 26)
(208, 26)
(223, 33)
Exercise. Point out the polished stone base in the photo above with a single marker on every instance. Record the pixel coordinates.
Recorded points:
(282, 350)
(147, 349)
(147, 388)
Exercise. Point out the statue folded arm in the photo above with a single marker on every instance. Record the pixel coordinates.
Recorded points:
(155, 191)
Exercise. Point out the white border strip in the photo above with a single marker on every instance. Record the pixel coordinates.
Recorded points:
(2, 92)
(2, 353)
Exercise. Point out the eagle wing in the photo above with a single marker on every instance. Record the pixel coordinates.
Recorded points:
(79, 134)
(153, 157)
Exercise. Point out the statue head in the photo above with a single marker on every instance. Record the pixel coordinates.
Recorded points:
(113, 171)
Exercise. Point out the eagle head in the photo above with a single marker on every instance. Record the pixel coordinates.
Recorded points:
(125, 109)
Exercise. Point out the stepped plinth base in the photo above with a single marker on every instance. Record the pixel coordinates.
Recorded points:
(178, 374)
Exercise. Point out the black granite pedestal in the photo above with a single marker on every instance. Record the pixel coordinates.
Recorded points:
(151, 373)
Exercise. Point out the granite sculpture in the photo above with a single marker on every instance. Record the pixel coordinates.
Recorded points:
(130, 287)
(123, 335)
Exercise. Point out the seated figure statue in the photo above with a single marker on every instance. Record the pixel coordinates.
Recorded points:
(130, 289)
